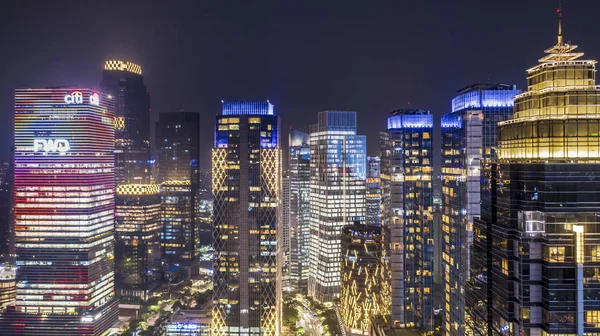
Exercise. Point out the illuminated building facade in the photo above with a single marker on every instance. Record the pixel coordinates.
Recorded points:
(363, 293)
(177, 157)
(64, 214)
(373, 194)
(8, 286)
(125, 83)
(337, 196)
(406, 169)
(299, 164)
(135, 216)
(286, 230)
(469, 136)
(541, 225)
(246, 170)
(137, 248)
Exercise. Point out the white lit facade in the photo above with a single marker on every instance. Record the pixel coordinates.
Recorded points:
(337, 196)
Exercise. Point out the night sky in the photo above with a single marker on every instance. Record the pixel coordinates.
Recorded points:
(304, 56)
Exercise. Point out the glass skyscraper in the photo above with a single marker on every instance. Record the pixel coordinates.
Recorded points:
(406, 172)
(469, 136)
(64, 214)
(540, 225)
(299, 162)
(124, 82)
(373, 194)
(178, 154)
(136, 257)
(337, 196)
(246, 170)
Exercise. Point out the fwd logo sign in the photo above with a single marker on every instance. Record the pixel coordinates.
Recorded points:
(51, 145)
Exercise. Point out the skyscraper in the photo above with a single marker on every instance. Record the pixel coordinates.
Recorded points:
(468, 136)
(178, 174)
(299, 162)
(137, 248)
(337, 196)
(406, 169)
(541, 273)
(124, 82)
(64, 213)
(285, 208)
(373, 194)
(135, 228)
(246, 169)
(363, 294)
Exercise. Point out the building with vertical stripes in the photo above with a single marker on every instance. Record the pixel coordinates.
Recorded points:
(406, 170)
(64, 214)
(299, 170)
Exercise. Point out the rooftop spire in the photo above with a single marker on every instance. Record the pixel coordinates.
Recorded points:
(559, 12)
(561, 51)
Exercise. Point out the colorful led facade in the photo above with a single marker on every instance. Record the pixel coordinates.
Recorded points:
(64, 214)
(363, 293)
(137, 248)
(406, 171)
(469, 136)
(299, 170)
(541, 222)
(337, 196)
(246, 171)
(178, 155)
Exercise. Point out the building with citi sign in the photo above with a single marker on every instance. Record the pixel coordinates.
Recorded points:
(64, 214)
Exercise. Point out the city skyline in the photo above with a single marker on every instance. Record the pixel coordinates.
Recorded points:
(375, 58)
(479, 219)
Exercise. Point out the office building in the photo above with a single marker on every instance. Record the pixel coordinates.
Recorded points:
(64, 214)
(337, 196)
(373, 194)
(299, 164)
(469, 136)
(363, 293)
(406, 171)
(539, 224)
(246, 169)
(177, 157)
(134, 205)
(8, 286)
(286, 231)
(137, 247)
(124, 82)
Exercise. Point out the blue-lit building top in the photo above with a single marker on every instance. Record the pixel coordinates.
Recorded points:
(337, 121)
(260, 115)
(410, 118)
(247, 108)
(485, 95)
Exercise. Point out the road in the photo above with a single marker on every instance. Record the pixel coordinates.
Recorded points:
(311, 324)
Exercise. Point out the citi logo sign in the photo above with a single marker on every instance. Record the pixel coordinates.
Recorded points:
(76, 97)
(95, 99)
(51, 145)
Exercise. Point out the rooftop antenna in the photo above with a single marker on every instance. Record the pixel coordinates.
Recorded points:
(559, 12)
